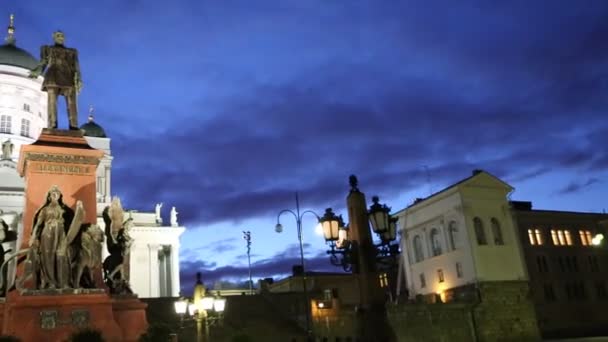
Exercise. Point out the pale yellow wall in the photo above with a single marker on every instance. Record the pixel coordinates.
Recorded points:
(420, 220)
(482, 196)
(485, 197)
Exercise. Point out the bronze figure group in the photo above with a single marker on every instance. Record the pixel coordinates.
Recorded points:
(65, 253)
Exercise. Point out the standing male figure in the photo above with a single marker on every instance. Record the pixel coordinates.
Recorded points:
(61, 77)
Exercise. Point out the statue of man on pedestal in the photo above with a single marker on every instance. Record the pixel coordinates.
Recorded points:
(61, 77)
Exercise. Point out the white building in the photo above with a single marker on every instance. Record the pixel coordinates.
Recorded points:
(460, 236)
(23, 114)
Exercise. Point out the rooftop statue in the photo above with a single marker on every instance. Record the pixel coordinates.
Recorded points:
(174, 217)
(61, 70)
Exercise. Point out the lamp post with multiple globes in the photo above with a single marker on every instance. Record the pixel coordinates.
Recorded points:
(200, 309)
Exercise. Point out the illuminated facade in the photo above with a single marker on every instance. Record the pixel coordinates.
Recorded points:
(461, 235)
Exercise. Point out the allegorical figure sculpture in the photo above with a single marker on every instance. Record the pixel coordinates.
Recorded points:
(174, 217)
(61, 77)
(63, 252)
(48, 243)
(116, 265)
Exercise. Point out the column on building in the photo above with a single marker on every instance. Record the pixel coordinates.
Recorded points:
(162, 281)
(153, 284)
(175, 285)
(168, 276)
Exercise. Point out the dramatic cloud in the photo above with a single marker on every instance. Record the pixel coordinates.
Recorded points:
(225, 109)
(577, 186)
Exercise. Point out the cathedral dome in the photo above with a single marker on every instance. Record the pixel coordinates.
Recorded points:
(92, 129)
(14, 56)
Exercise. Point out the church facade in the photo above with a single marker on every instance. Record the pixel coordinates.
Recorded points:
(154, 256)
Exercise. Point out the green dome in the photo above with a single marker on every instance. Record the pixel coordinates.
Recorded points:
(12, 55)
(92, 129)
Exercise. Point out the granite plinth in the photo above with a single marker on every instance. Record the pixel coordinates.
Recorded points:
(56, 317)
(62, 158)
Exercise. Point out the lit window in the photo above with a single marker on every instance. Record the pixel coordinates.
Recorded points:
(531, 237)
(26, 107)
(5, 124)
(440, 275)
(560, 236)
(554, 237)
(25, 127)
(586, 237)
(459, 270)
(568, 238)
(539, 237)
(383, 280)
(422, 280)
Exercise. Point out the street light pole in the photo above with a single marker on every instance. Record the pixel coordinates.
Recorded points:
(279, 228)
(247, 237)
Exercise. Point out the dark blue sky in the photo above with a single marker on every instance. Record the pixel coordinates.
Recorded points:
(225, 108)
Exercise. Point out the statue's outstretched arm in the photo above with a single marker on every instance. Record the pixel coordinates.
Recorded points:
(44, 61)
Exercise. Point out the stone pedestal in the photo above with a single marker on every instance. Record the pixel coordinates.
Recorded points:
(50, 317)
(130, 314)
(65, 159)
(62, 158)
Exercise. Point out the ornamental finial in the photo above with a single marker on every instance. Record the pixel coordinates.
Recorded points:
(10, 38)
(91, 112)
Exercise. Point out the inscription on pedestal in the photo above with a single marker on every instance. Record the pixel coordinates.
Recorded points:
(62, 158)
(58, 168)
(49, 319)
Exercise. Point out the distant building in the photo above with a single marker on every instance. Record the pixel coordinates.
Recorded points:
(469, 244)
(568, 273)
(23, 114)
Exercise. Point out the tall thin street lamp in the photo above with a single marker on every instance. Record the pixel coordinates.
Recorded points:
(247, 237)
(279, 228)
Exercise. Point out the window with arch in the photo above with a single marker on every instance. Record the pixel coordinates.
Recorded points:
(480, 233)
(453, 234)
(435, 242)
(497, 232)
(418, 255)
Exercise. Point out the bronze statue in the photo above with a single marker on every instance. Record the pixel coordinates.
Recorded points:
(55, 225)
(89, 257)
(116, 265)
(61, 77)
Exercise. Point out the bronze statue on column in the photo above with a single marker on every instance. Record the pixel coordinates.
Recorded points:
(61, 70)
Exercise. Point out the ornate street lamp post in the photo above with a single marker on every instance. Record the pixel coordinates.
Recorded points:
(200, 308)
(279, 228)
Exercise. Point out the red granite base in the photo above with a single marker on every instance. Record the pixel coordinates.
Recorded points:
(44, 317)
